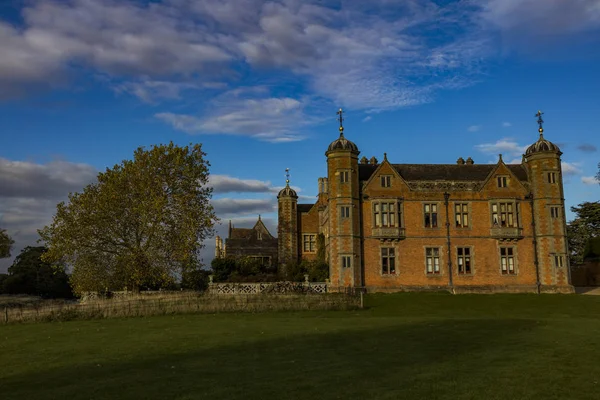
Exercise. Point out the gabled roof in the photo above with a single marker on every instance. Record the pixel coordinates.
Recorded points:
(240, 233)
(443, 172)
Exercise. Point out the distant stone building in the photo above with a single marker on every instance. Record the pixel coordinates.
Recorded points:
(256, 242)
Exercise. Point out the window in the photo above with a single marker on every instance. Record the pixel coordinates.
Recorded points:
(507, 261)
(386, 214)
(344, 176)
(464, 260)
(259, 235)
(503, 214)
(386, 181)
(461, 215)
(345, 211)
(309, 243)
(551, 177)
(554, 212)
(346, 261)
(388, 260)
(502, 181)
(432, 260)
(430, 215)
(559, 261)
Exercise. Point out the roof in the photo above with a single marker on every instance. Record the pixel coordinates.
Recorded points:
(240, 233)
(305, 207)
(443, 172)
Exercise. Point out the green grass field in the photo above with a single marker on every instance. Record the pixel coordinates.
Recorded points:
(403, 346)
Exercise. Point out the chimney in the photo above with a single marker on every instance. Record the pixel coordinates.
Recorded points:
(470, 161)
(373, 161)
(460, 161)
(364, 160)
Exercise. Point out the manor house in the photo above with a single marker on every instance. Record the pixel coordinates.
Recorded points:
(460, 227)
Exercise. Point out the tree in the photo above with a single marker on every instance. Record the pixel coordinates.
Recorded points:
(29, 274)
(598, 174)
(139, 225)
(6, 243)
(582, 229)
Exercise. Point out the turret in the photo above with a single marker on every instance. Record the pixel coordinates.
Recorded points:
(345, 264)
(543, 163)
(287, 201)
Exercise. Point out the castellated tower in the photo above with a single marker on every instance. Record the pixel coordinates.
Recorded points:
(287, 227)
(545, 176)
(345, 263)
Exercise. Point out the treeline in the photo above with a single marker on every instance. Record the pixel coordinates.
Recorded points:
(247, 269)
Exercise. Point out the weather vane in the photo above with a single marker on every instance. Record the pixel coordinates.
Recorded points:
(287, 176)
(341, 119)
(540, 121)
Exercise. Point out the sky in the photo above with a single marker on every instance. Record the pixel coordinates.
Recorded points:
(83, 83)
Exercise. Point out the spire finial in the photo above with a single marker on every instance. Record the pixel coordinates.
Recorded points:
(259, 217)
(341, 119)
(287, 177)
(384, 156)
(540, 121)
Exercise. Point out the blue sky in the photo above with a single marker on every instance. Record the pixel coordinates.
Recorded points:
(85, 82)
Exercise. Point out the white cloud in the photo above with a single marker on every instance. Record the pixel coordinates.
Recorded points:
(590, 180)
(367, 118)
(268, 119)
(502, 146)
(229, 184)
(506, 124)
(570, 168)
(474, 128)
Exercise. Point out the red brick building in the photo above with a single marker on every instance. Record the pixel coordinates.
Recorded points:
(462, 227)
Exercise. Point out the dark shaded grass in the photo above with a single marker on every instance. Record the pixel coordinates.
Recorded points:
(428, 346)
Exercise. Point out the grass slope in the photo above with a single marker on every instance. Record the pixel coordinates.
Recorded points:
(411, 345)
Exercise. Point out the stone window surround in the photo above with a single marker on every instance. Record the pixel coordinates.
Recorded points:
(471, 256)
(555, 210)
(385, 180)
(394, 257)
(515, 261)
(440, 260)
(502, 181)
(515, 212)
(344, 175)
(468, 212)
(437, 212)
(399, 211)
(559, 260)
(346, 260)
(309, 242)
(341, 212)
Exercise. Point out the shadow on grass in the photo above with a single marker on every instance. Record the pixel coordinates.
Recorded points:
(438, 359)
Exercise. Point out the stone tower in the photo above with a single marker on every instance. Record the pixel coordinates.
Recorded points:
(545, 176)
(287, 227)
(345, 263)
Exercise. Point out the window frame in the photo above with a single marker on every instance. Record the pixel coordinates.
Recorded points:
(342, 208)
(462, 214)
(378, 213)
(514, 213)
(388, 260)
(435, 256)
(386, 181)
(502, 181)
(555, 212)
(431, 215)
(463, 257)
(551, 177)
(312, 244)
(346, 261)
(344, 176)
(559, 260)
(509, 257)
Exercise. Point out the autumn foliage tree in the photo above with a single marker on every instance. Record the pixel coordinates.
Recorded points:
(140, 225)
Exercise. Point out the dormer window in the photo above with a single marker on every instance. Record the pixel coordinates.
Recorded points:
(502, 181)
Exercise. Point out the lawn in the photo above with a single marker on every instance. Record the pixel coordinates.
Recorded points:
(410, 345)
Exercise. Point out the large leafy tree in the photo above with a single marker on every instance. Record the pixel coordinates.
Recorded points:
(29, 274)
(582, 229)
(140, 225)
(6, 243)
